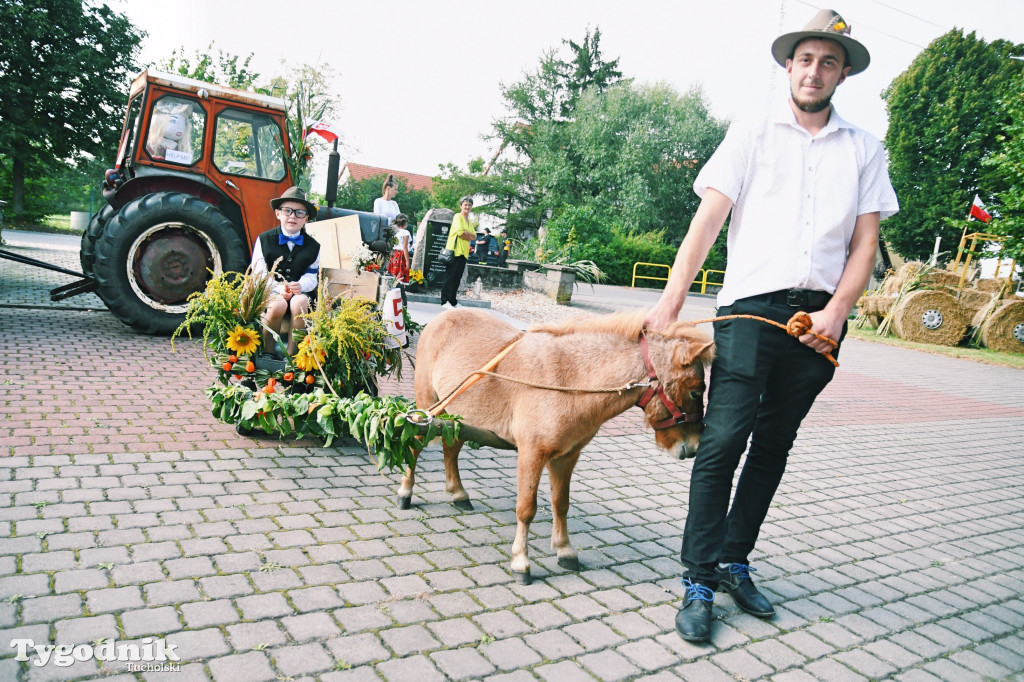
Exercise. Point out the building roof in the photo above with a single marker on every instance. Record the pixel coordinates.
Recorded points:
(358, 171)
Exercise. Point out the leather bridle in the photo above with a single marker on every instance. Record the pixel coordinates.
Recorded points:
(655, 388)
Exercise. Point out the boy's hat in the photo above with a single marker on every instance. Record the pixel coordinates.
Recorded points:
(295, 194)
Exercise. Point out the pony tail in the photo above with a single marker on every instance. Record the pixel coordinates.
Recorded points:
(390, 182)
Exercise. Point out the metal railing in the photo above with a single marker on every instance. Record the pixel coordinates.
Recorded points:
(656, 265)
(703, 280)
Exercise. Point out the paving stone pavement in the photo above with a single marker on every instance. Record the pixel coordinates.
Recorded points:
(893, 549)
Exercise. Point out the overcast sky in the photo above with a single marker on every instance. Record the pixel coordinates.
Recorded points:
(419, 81)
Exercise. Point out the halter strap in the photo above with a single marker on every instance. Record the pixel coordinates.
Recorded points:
(654, 388)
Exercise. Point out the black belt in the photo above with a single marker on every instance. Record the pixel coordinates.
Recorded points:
(797, 298)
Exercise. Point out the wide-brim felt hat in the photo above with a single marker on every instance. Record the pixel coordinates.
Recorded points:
(295, 194)
(826, 25)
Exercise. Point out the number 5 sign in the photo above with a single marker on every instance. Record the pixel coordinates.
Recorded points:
(394, 318)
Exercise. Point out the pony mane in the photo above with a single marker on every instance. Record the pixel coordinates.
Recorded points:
(627, 325)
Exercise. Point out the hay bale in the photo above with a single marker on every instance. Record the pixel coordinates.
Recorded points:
(991, 285)
(1003, 331)
(941, 278)
(930, 317)
(973, 300)
(874, 305)
(978, 316)
(894, 283)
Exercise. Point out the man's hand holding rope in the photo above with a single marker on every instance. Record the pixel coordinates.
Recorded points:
(825, 323)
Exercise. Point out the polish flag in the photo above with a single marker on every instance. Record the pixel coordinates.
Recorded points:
(978, 211)
(324, 130)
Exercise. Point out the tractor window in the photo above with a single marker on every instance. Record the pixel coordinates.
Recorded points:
(131, 129)
(248, 143)
(176, 131)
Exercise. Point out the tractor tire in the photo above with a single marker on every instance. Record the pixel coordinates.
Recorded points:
(156, 251)
(92, 233)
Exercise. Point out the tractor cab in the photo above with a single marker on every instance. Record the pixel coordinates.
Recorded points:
(188, 194)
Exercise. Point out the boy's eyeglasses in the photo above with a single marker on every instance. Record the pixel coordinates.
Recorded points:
(297, 212)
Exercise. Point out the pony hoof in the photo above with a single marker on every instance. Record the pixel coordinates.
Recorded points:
(569, 563)
(522, 578)
(464, 505)
(404, 502)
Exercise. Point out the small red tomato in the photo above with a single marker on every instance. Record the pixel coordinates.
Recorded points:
(226, 366)
(288, 376)
(232, 358)
(310, 378)
(250, 367)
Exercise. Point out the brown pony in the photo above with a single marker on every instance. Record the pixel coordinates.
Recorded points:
(549, 427)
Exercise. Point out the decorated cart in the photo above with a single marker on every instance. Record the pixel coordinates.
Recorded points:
(327, 389)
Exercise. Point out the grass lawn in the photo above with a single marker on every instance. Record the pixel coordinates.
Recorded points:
(990, 357)
(59, 224)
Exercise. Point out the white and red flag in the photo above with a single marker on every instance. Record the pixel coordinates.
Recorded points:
(324, 130)
(978, 211)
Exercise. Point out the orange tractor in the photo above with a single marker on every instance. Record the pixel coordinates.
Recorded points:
(188, 194)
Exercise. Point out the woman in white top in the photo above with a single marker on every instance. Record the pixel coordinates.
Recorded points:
(385, 204)
(399, 263)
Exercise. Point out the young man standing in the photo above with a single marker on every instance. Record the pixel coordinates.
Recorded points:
(298, 261)
(807, 191)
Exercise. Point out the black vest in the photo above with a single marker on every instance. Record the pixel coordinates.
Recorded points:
(295, 262)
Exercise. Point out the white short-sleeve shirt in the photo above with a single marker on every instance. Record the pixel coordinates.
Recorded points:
(796, 198)
(401, 239)
(387, 208)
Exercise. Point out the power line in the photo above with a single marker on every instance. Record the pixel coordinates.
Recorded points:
(902, 40)
(878, 30)
(897, 9)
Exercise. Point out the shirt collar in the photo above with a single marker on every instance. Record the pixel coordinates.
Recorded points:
(783, 114)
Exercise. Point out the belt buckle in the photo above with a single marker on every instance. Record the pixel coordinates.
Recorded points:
(797, 298)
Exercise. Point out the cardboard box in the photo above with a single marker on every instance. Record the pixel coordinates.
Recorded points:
(347, 284)
(338, 238)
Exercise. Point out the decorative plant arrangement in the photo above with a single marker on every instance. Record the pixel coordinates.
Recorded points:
(327, 389)
(365, 260)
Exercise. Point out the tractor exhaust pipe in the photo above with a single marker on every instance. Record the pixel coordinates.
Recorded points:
(333, 164)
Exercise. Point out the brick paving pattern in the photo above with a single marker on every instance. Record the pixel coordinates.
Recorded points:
(893, 549)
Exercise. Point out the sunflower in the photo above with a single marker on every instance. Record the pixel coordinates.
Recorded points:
(309, 356)
(243, 341)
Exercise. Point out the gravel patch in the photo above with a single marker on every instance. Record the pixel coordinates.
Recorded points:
(530, 307)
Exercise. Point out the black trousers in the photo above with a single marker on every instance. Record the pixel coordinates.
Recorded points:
(763, 383)
(453, 275)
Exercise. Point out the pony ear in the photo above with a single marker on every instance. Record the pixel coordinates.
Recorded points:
(695, 350)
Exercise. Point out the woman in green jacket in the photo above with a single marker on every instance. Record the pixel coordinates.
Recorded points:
(460, 235)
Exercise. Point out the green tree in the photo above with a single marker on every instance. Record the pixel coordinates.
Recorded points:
(944, 118)
(65, 67)
(224, 69)
(1007, 165)
(580, 136)
(308, 91)
(586, 70)
(537, 105)
(631, 152)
